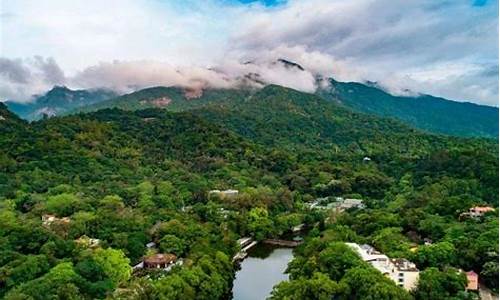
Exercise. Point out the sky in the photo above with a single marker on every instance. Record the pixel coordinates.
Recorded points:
(446, 48)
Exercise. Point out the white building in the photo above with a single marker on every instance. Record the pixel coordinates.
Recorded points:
(350, 203)
(338, 203)
(403, 272)
(223, 194)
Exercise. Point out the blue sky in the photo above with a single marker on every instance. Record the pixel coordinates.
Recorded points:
(446, 48)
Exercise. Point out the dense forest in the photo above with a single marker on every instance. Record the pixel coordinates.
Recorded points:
(129, 176)
(429, 113)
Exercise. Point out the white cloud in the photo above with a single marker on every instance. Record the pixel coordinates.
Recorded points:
(447, 48)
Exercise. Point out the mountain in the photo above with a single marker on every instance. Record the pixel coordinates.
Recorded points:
(279, 116)
(129, 177)
(170, 98)
(58, 100)
(426, 112)
(276, 116)
(8, 120)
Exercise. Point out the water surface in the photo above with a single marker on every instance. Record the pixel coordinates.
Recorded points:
(260, 271)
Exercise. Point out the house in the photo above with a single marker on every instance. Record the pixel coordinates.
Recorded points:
(339, 203)
(479, 211)
(223, 194)
(87, 242)
(159, 261)
(50, 219)
(476, 212)
(352, 203)
(403, 272)
(472, 281)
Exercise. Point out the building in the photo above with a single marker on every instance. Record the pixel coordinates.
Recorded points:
(403, 272)
(352, 203)
(340, 204)
(87, 242)
(223, 194)
(476, 212)
(50, 219)
(159, 261)
(151, 245)
(472, 281)
(479, 211)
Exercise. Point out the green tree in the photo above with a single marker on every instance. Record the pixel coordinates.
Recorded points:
(259, 223)
(62, 204)
(489, 274)
(336, 259)
(368, 283)
(114, 264)
(436, 255)
(319, 287)
(172, 244)
(391, 242)
(436, 284)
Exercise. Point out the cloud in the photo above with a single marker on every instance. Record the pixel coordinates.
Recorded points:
(14, 71)
(446, 48)
(388, 42)
(131, 75)
(50, 70)
(20, 79)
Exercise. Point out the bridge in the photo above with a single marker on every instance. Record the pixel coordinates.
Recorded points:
(246, 243)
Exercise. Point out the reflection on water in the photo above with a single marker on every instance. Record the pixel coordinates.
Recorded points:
(260, 271)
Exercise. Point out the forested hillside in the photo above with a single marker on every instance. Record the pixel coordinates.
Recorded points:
(429, 113)
(129, 177)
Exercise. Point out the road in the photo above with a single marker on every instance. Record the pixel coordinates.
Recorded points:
(486, 294)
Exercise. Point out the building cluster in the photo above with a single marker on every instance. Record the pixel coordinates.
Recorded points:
(400, 270)
(403, 272)
(339, 203)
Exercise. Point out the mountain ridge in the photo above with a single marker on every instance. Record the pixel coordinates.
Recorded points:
(427, 112)
(424, 112)
(57, 100)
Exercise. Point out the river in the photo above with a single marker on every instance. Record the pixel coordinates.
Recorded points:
(260, 271)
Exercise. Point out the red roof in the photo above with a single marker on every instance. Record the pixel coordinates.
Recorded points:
(483, 208)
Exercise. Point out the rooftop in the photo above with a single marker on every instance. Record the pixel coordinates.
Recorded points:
(160, 258)
(403, 264)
